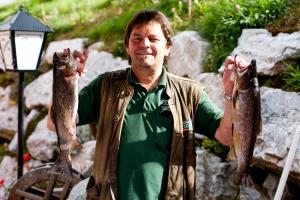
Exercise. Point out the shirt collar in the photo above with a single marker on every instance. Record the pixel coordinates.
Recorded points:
(134, 82)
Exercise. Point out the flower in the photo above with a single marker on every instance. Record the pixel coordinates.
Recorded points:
(26, 157)
(1, 183)
(238, 7)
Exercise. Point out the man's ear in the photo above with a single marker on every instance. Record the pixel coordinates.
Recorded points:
(168, 49)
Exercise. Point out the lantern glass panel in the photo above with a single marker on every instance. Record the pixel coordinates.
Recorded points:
(6, 50)
(28, 48)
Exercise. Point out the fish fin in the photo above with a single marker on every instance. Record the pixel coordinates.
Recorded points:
(231, 155)
(246, 181)
(63, 167)
(236, 142)
(236, 180)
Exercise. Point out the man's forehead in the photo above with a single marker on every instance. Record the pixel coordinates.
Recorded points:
(151, 27)
(144, 24)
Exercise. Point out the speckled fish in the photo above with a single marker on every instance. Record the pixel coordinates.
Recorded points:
(246, 118)
(64, 110)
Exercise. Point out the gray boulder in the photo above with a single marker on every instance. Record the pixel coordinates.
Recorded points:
(78, 192)
(13, 145)
(8, 114)
(269, 51)
(8, 173)
(187, 54)
(213, 86)
(85, 159)
(280, 115)
(42, 143)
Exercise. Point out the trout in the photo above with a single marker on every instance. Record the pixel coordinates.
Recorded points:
(246, 119)
(64, 110)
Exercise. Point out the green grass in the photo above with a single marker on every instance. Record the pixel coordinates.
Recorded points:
(288, 80)
(292, 78)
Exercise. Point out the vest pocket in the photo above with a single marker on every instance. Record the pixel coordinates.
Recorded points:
(93, 190)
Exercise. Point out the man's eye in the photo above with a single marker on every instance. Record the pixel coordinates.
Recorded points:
(153, 39)
(137, 39)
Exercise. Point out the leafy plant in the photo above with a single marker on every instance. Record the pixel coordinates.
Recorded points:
(215, 147)
(292, 78)
(222, 21)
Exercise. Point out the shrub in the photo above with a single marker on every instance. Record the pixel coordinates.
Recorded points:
(222, 21)
(292, 78)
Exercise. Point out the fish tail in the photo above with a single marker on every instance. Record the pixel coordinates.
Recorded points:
(243, 180)
(247, 181)
(236, 180)
(63, 166)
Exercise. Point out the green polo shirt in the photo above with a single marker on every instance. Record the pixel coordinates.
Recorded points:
(146, 135)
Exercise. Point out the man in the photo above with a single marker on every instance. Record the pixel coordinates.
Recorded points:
(147, 118)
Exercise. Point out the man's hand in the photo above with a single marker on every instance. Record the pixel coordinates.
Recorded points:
(227, 74)
(81, 58)
(224, 131)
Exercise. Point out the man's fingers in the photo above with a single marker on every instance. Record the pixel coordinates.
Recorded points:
(229, 63)
(86, 53)
(80, 56)
(241, 63)
(65, 52)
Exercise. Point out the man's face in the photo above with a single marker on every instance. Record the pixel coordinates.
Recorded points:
(147, 46)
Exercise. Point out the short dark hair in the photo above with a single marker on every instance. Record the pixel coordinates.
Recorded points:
(145, 16)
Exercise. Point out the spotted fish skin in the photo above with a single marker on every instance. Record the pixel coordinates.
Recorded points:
(64, 110)
(246, 119)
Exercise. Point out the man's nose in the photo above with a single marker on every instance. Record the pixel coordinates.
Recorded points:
(146, 42)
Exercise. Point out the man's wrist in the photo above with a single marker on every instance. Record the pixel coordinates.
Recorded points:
(227, 97)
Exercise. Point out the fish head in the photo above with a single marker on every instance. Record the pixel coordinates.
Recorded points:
(66, 64)
(246, 76)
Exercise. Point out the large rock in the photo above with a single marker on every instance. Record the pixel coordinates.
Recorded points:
(59, 46)
(269, 51)
(42, 143)
(187, 54)
(214, 180)
(213, 86)
(39, 92)
(85, 159)
(8, 114)
(78, 192)
(280, 115)
(99, 63)
(8, 173)
(13, 145)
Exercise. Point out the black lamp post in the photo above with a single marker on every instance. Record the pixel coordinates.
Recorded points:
(22, 39)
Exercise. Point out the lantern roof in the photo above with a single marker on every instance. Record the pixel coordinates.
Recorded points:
(23, 21)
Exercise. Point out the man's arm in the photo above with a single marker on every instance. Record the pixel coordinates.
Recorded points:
(224, 131)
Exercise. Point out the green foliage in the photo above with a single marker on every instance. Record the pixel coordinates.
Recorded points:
(215, 147)
(292, 78)
(288, 80)
(221, 22)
